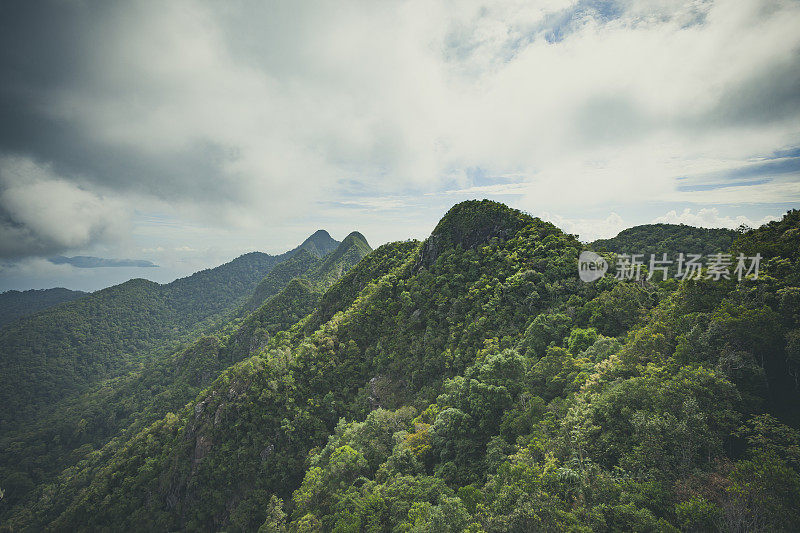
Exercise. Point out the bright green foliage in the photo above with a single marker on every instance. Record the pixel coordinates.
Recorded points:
(473, 383)
(127, 404)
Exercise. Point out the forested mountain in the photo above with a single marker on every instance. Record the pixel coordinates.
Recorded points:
(320, 243)
(80, 426)
(64, 349)
(472, 382)
(17, 304)
(671, 239)
(297, 265)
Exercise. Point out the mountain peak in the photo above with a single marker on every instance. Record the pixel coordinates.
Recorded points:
(355, 236)
(353, 240)
(470, 224)
(320, 234)
(320, 243)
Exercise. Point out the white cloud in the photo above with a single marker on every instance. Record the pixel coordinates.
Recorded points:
(398, 94)
(42, 213)
(711, 218)
(588, 229)
(244, 119)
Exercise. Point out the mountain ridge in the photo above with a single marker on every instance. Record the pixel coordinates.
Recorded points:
(472, 382)
(668, 238)
(105, 333)
(17, 304)
(166, 384)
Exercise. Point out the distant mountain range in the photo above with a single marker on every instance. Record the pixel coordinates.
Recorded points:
(64, 349)
(290, 291)
(468, 382)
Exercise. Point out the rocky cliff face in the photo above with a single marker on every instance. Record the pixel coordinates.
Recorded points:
(471, 224)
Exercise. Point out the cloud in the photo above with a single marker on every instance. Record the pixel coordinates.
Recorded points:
(588, 229)
(711, 218)
(41, 213)
(241, 116)
(85, 261)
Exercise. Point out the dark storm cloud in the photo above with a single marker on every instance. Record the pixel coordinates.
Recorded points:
(49, 47)
(52, 49)
(191, 173)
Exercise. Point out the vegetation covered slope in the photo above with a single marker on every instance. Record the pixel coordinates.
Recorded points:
(17, 304)
(671, 239)
(320, 243)
(64, 349)
(396, 342)
(321, 271)
(273, 282)
(473, 382)
(81, 425)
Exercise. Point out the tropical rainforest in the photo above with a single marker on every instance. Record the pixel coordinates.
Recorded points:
(16, 304)
(467, 382)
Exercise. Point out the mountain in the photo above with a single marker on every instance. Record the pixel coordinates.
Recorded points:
(671, 239)
(320, 243)
(298, 264)
(352, 249)
(17, 304)
(396, 341)
(64, 349)
(322, 271)
(472, 382)
(80, 426)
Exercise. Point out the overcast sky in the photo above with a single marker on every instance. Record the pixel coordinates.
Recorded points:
(186, 133)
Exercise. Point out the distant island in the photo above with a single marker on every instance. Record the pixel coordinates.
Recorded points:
(87, 261)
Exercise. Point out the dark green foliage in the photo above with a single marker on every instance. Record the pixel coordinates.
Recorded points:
(17, 304)
(277, 278)
(133, 401)
(671, 239)
(614, 312)
(65, 349)
(471, 383)
(470, 224)
(776, 239)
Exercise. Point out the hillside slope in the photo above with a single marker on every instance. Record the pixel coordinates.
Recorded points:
(64, 349)
(671, 239)
(80, 425)
(17, 304)
(473, 382)
(396, 342)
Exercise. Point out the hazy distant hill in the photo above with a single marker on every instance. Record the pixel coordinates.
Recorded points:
(63, 349)
(16, 304)
(87, 261)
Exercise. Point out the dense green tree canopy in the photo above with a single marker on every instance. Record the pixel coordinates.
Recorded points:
(470, 382)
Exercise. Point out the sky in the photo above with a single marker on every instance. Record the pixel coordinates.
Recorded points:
(185, 133)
